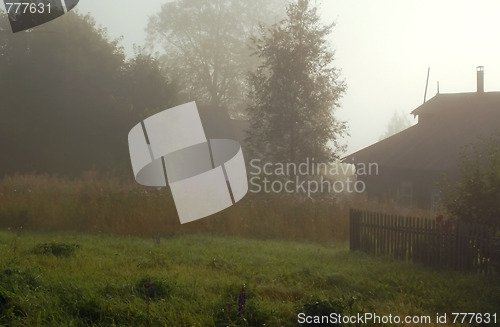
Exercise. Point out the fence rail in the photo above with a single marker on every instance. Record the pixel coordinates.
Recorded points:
(456, 245)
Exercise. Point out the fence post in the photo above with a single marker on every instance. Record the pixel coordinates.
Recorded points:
(354, 229)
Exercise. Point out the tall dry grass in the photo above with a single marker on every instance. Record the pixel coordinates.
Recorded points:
(95, 204)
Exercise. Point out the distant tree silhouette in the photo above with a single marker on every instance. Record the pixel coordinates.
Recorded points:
(68, 97)
(206, 45)
(398, 123)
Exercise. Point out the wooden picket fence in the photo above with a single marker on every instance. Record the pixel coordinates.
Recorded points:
(446, 244)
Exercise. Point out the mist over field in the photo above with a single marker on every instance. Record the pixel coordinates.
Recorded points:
(330, 221)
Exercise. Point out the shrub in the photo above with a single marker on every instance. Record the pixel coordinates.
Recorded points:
(476, 195)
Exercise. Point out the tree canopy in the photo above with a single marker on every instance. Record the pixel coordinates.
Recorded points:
(69, 97)
(206, 46)
(295, 90)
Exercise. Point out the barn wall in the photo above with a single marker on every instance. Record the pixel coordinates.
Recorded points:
(408, 187)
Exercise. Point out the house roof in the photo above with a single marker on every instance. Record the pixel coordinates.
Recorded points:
(434, 144)
(455, 102)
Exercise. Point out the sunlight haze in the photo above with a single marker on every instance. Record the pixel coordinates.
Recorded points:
(382, 47)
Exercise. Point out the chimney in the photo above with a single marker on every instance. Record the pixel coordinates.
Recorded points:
(480, 79)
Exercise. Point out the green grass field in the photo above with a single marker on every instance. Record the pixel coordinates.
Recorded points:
(94, 251)
(72, 279)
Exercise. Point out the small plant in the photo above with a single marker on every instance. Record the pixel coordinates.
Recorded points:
(56, 249)
(153, 289)
(242, 300)
(240, 312)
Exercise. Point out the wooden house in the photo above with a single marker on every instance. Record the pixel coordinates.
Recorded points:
(412, 162)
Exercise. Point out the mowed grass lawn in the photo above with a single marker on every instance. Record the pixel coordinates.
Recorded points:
(71, 279)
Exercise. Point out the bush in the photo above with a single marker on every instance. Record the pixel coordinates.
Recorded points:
(476, 195)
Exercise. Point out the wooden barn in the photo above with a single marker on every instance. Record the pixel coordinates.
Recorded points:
(411, 163)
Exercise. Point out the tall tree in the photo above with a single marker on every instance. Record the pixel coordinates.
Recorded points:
(206, 43)
(295, 90)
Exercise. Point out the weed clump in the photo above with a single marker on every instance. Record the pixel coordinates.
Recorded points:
(10, 309)
(150, 288)
(14, 280)
(84, 307)
(238, 311)
(56, 249)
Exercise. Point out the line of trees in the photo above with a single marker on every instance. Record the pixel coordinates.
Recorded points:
(69, 96)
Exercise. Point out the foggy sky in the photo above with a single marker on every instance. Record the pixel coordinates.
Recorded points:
(383, 48)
